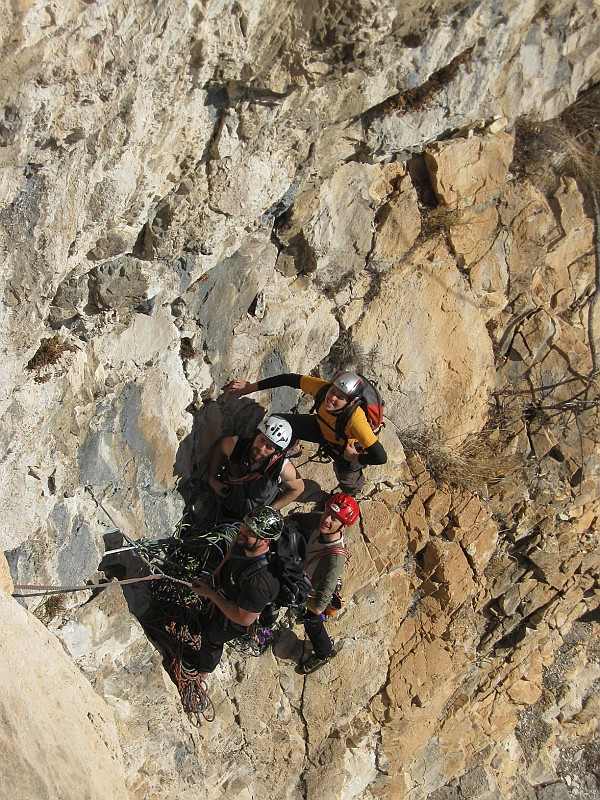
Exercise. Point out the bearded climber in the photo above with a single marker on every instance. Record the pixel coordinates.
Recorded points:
(253, 471)
(351, 444)
(246, 587)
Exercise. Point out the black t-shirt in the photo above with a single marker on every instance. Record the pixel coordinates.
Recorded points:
(251, 593)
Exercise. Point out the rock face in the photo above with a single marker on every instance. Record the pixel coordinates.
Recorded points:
(192, 192)
(59, 737)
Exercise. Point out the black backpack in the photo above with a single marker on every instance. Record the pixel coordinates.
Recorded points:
(287, 561)
(371, 403)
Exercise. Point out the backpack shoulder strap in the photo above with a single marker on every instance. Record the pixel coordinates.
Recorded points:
(320, 396)
(253, 570)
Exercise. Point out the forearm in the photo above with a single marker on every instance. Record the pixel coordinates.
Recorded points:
(310, 604)
(322, 596)
(290, 492)
(286, 379)
(324, 586)
(375, 454)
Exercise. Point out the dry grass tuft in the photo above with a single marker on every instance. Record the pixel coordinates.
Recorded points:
(48, 353)
(51, 608)
(570, 144)
(476, 465)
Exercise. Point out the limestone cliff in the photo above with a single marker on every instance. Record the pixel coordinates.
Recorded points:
(195, 191)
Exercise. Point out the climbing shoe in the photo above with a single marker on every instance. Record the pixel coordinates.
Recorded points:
(312, 663)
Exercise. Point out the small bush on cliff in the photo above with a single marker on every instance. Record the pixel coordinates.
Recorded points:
(48, 353)
(479, 462)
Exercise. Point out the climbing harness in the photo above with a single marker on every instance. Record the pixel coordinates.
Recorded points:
(253, 643)
(320, 456)
(259, 637)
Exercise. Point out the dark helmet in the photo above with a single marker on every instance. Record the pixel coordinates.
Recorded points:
(265, 522)
(343, 507)
(351, 384)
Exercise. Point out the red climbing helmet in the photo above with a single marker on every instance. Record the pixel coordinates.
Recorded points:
(343, 507)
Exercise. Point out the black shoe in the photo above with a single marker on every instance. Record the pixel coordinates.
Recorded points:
(313, 663)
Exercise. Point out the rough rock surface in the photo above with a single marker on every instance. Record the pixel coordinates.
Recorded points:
(192, 192)
(59, 737)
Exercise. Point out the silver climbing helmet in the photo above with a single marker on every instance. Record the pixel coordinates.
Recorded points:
(277, 430)
(265, 522)
(351, 384)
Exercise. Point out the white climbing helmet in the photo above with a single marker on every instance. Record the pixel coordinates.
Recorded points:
(277, 430)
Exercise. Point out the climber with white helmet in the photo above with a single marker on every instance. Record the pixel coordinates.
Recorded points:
(340, 424)
(253, 471)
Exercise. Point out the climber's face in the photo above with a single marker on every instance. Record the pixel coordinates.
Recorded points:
(248, 540)
(329, 524)
(335, 400)
(262, 448)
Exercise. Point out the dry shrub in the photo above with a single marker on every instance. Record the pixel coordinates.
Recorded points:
(345, 354)
(478, 463)
(570, 144)
(51, 608)
(581, 125)
(439, 220)
(48, 353)
(573, 155)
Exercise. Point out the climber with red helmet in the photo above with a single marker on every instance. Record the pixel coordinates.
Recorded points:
(326, 557)
(340, 425)
(253, 471)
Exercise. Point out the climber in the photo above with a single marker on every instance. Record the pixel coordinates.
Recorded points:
(325, 562)
(253, 471)
(241, 597)
(351, 445)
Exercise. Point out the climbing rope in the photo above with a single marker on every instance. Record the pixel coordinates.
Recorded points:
(172, 619)
(174, 638)
(44, 589)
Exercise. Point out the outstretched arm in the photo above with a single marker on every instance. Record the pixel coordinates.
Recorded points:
(242, 387)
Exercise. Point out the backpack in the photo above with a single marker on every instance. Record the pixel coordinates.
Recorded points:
(371, 403)
(287, 561)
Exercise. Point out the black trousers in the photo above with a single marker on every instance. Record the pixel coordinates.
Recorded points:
(315, 630)
(216, 630)
(350, 476)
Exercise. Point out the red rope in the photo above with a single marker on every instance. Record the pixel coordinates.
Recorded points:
(191, 686)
